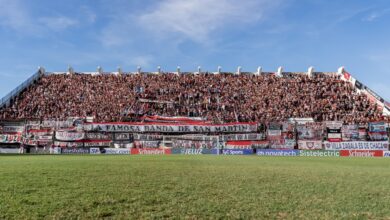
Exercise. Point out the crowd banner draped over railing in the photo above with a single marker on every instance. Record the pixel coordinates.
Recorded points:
(350, 133)
(69, 135)
(359, 145)
(377, 131)
(195, 137)
(310, 136)
(333, 130)
(10, 138)
(172, 128)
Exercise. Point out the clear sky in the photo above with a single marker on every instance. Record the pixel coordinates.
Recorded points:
(294, 34)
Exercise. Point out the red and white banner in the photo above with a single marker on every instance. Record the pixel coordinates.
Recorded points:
(310, 145)
(13, 129)
(69, 136)
(242, 137)
(333, 124)
(95, 143)
(241, 144)
(38, 136)
(10, 138)
(98, 136)
(163, 119)
(334, 137)
(148, 137)
(67, 144)
(147, 144)
(193, 144)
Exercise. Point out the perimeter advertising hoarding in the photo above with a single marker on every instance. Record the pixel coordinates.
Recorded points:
(9, 150)
(150, 151)
(191, 151)
(116, 151)
(319, 153)
(357, 145)
(361, 153)
(386, 153)
(94, 151)
(74, 150)
(279, 153)
(237, 152)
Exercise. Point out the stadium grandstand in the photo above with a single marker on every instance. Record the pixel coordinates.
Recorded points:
(219, 97)
(150, 112)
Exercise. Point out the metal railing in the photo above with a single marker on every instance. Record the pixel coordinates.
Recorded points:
(15, 92)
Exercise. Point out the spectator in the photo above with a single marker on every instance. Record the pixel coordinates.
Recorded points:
(218, 98)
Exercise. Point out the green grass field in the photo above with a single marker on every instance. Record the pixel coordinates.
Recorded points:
(193, 187)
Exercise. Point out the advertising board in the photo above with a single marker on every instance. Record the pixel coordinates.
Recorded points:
(319, 153)
(386, 153)
(150, 151)
(94, 151)
(190, 151)
(116, 151)
(278, 153)
(74, 150)
(237, 152)
(361, 153)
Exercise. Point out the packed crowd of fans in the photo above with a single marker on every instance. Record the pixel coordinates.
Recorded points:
(214, 97)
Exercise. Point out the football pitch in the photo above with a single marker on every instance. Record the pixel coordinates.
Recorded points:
(193, 187)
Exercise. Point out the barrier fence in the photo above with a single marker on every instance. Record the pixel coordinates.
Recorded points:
(74, 136)
(177, 151)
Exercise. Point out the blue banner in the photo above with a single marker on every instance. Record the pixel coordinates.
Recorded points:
(192, 151)
(281, 153)
(237, 152)
(74, 150)
(377, 127)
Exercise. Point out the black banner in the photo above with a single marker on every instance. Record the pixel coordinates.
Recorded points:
(359, 85)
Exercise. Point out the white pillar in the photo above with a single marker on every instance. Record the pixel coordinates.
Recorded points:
(219, 69)
(199, 70)
(259, 70)
(70, 70)
(100, 70)
(280, 71)
(159, 69)
(310, 71)
(41, 70)
(178, 69)
(340, 71)
(239, 70)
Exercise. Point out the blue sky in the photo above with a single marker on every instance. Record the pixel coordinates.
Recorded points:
(294, 34)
